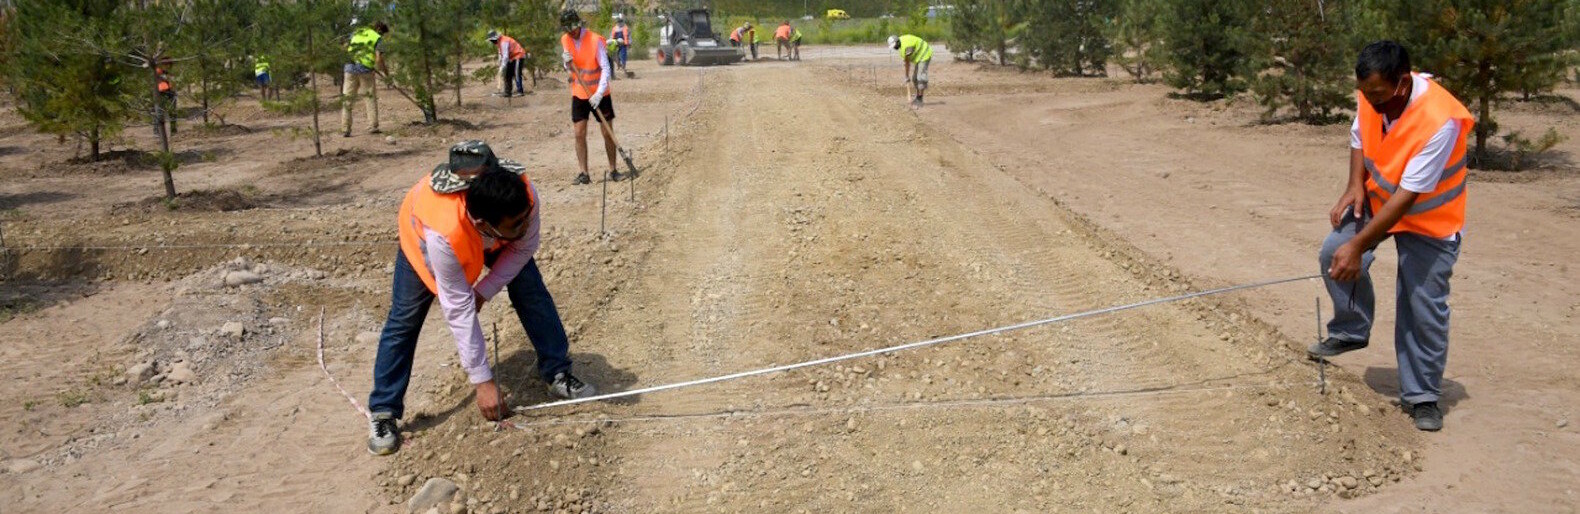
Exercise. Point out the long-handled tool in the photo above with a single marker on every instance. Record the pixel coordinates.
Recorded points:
(624, 155)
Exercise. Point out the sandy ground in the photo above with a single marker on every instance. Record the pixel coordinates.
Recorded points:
(787, 211)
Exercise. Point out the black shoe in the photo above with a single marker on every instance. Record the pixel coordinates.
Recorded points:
(614, 175)
(1427, 416)
(582, 178)
(345, 134)
(1331, 347)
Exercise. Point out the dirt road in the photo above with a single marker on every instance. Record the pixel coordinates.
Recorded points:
(801, 211)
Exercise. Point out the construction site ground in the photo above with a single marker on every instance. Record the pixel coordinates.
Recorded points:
(167, 360)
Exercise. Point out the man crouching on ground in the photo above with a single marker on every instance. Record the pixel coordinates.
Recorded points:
(470, 213)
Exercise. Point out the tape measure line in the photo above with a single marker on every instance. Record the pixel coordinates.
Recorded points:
(910, 346)
(331, 376)
(866, 409)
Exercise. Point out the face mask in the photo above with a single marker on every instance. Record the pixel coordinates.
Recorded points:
(1396, 101)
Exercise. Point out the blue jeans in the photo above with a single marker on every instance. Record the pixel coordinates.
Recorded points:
(409, 302)
(1421, 324)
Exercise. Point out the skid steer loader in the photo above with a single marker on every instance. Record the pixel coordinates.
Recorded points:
(687, 38)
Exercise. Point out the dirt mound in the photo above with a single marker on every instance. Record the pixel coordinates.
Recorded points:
(208, 200)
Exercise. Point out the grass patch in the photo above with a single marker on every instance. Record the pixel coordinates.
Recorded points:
(72, 397)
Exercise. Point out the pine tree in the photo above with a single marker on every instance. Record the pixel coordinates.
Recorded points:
(214, 42)
(1483, 49)
(1210, 47)
(1067, 37)
(1310, 57)
(420, 52)
(1136, 31)
(301, 38)
(61, 86)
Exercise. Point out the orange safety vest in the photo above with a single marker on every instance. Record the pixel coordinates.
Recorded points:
(622, 35)
(515, 49)
(783, 32)
(584, 62)
(1438, 214)
(444, 213)
(164, 84)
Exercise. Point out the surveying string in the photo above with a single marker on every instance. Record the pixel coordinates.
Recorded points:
(862, 409)
(918, 344)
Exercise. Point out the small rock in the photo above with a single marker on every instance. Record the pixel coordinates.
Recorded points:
(406, 480)
(390, 140)
(279, 321)
(260, 269)
(239, 278)
(1314, 483)
(233, 330)
(1348, 482)
(19, 466)
(181, 373)
(1563, 423)
(917, 466)
(163, 324)
(434, 492)
(140, 372)
(367, 338)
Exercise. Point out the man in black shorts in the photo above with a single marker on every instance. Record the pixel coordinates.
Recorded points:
(584, 57)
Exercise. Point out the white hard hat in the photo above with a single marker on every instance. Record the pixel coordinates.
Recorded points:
(894, 42)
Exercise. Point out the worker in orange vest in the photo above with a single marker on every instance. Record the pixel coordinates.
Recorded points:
(588, 64)
(745, 35)
(1406, 182)
(167, 94)
(782, 39)
(471, 213)
(511, 59)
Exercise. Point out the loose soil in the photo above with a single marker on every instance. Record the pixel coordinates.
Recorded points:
(786, 212)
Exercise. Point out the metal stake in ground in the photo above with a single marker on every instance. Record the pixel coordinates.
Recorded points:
(1322, 362)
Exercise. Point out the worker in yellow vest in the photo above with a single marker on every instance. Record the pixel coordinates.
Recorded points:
(471, 213)
(367, 59)
(1406, 183)
(918, 55)
(587, 62)
(260, 74)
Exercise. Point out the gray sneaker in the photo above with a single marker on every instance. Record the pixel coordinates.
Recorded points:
(1427, 416)
(383, 434)
(1330, 347)
(567, 386)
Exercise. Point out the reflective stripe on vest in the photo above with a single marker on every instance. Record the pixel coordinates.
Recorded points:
(1440, 213)
(364, 44)
(922, 51)
(585, 72)
(444, 213)
(261, 67)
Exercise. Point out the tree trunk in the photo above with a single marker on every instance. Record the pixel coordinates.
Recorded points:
(203, 91)
(459, 56)
(425, 98)
(93, 142)
(1483, 124)
(318, 144)
(159, 132)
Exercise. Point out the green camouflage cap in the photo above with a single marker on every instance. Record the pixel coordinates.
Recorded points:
(467, 160)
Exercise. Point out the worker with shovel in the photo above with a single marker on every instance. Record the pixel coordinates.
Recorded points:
(588, 63)
(472, 212)
(367, 58)
(917, 55)
(512, 59)
(1406, 182)
(782, 40)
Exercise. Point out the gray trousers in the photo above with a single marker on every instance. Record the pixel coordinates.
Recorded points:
(1421, 330)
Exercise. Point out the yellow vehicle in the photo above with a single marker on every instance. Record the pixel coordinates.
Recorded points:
(837, 14)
